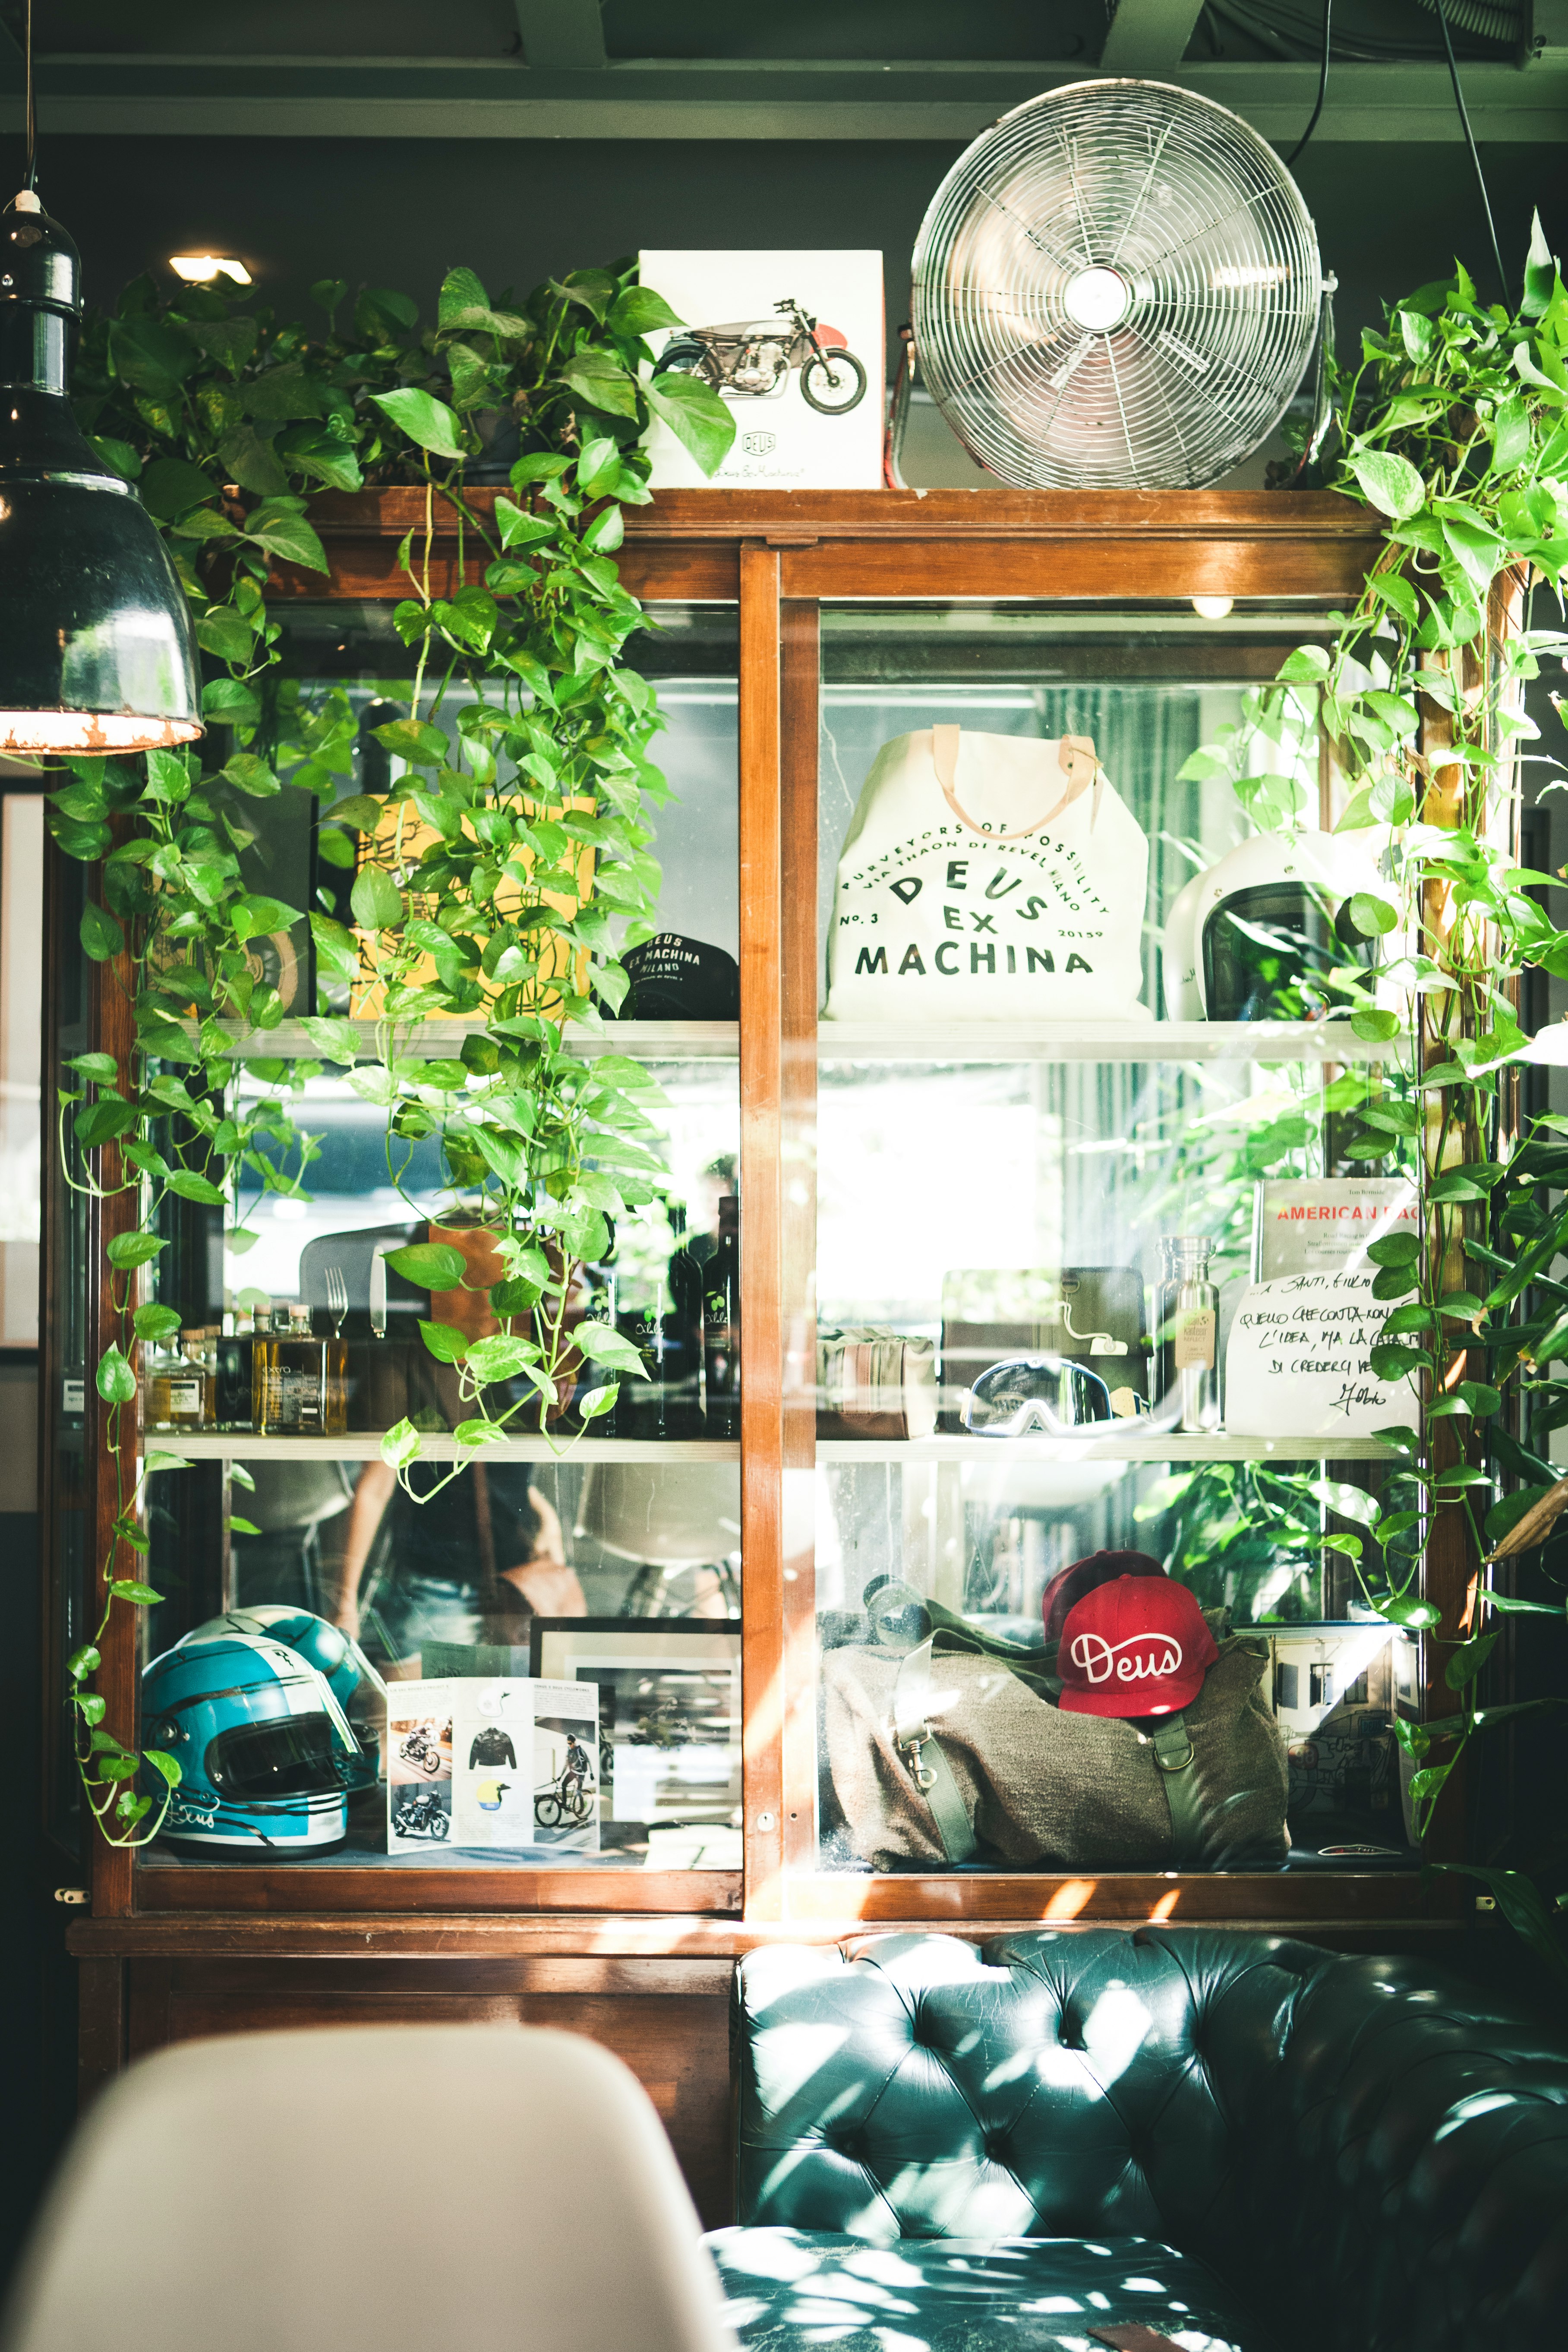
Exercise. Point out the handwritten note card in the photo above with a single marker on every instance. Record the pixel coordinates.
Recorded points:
(1298, 1363)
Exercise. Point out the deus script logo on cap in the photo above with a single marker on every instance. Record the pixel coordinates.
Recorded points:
(1138, 1646)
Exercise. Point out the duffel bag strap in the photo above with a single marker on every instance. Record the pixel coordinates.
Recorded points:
(1172, 1745)
(928, 1769)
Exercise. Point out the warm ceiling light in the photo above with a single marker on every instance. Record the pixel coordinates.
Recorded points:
(201, 268)
(96, 648)
(1212, 608)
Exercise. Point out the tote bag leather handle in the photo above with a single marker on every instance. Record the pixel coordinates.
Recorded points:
(1075, 757)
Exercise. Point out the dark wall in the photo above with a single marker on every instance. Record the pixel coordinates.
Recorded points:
(399, 213)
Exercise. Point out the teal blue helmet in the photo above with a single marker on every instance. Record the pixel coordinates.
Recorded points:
(266, 1752)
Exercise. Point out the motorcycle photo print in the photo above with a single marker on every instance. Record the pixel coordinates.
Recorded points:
(793, 343)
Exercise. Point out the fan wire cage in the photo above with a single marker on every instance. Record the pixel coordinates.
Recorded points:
(1116, 286)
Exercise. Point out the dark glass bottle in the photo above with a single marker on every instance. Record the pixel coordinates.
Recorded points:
(640, 1410)
(682, 1367)
(722, 1326)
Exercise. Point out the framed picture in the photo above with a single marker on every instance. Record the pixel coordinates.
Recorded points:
(670, 1728)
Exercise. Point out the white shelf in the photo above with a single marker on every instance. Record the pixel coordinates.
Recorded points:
(1097, 1041)
(1138, 1447)
(645, 1041)
(865, 1041)
(364, 1445)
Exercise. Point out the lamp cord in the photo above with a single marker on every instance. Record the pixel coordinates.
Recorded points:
(32, 119)
(1322, 86)
(1470, 144)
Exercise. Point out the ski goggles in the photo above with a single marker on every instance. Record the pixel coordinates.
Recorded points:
(1036, 1396)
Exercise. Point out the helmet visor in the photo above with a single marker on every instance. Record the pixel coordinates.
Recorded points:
(294, 1756)
(1269, 952)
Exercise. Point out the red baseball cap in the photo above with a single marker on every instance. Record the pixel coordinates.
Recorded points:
(1138, 1646)
(1072, 1583)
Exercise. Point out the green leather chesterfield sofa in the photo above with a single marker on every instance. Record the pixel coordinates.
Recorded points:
(1232, 2140)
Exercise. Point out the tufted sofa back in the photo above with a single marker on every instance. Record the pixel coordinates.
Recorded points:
(1363, 2140)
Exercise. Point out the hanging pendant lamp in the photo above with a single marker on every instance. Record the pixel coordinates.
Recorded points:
(96, 652)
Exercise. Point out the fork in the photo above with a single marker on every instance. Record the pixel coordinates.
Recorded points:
(337, 1298)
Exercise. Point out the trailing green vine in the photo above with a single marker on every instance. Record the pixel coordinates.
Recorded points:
(495, 882)
(1453, 428)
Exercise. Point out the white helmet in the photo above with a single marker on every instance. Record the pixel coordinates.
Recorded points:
(1266, 924)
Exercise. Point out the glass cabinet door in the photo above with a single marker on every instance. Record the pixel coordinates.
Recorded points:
(1044, 1557)
(601, 1550)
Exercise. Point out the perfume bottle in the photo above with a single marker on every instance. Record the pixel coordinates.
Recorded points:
(173, 1389)
(722, 1326)
(1186, 1326)
(299, 1386)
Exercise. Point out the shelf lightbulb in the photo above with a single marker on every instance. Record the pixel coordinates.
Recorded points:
(1212, 608)
(203, 269)
(96, 653)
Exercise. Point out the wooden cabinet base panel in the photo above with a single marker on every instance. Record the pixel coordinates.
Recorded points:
(673, 2036)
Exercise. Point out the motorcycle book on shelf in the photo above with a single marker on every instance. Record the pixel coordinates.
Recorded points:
(793, 343)
(1299, 1358)
(509, 1762)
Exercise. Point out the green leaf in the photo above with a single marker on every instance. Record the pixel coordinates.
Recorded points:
(400, 1445)
(500, 1358)
(126, 1588)
(1372, 916)
(336, 1041)
(520, 530)
(427, 422)
(360, 813)
(640, 311)
(162, 1762)
(101, 935)
(252, 462)
(376, 900)
(1375, 1027)
(603, 384)
(1392, 1362)
(83, 1662)
(337, 950)
(412, 740)
(1422, 1615)
(169, 487)
(156, 1323)
(101, 1068)
(697, 417)
(116, 1382)
(221, 631)
(288, 536)
(1390, 482)
(153, 1463)
(447, 1345)
(256, 918)
(242, 1527)
(251, 776)
(229, 702)
(333, 847)
(191, 1187)
(134, 1249)
(430, 1266)
(1481, 1399)
(605, 1346)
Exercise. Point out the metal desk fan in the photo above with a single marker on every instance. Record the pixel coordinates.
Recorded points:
(1117, 286)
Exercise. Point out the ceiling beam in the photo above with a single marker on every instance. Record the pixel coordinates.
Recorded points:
(1149, 36)
(420, 97)
(561, 32)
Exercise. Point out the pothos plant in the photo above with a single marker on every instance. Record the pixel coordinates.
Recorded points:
(1453, 427)
(495, 881)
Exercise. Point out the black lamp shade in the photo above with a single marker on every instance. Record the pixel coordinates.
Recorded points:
(96, 652)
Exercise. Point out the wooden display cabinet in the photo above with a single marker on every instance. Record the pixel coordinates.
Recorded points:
(641, 1957)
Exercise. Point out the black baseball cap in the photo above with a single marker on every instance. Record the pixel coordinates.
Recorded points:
(677, 979)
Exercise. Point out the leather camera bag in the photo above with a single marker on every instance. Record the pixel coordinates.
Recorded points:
(952, 1745)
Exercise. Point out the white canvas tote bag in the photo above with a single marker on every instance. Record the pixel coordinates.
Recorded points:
(988, 878)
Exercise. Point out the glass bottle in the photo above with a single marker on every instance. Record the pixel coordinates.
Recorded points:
(233, 1373)
(293, 1382)
(683, 1335)
(721, 1325)
(639, 1412)
(199, 1349)
(1186, 1326)
(174, 1389)
(600, 1281)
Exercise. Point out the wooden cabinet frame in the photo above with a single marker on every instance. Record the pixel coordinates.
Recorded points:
(776, 555)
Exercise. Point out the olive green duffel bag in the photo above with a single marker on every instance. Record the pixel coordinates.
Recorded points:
(946, 1746)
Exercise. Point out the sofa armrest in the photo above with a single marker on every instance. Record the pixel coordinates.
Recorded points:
(1411, 2182)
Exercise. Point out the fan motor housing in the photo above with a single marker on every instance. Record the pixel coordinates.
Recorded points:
(1118, 286)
